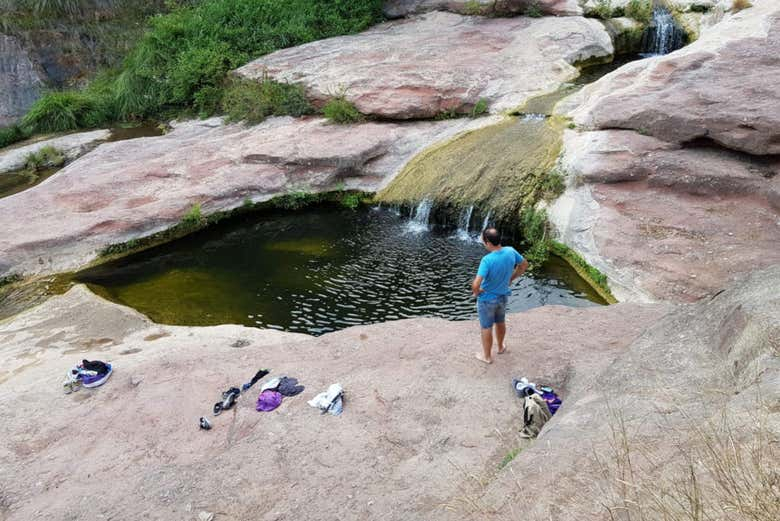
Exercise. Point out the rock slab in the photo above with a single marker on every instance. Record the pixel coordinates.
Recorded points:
(438, 62)
(71, 146)
(129, 189)
(401, 8)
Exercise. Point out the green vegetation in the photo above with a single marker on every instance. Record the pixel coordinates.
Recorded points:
(296, 199)
(181, 63)
(534, 229)
(447, 114)
(604, 9)
(252, 101)
(534, 10)
(512, 454)
(11, 135)
(593, 276)
(552, 185)
(193, 218)
(640, 10)
(351, 200)
(45, 157)
(472, 7)
(10, 279)
(339, 110)
(480, 108)
(739, 5)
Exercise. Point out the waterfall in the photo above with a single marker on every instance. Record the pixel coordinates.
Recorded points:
(663, 35)
(421, 216)
(486, 222)
(463, 224)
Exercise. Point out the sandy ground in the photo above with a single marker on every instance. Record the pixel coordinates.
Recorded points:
(422, 416)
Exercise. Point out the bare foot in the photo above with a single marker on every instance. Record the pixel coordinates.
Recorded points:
(502, 350)
(481, 358)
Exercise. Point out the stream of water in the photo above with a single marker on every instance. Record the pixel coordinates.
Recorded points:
(318, 270)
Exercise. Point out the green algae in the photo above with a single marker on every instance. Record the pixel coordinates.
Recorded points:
(498, 168)
(596, 279)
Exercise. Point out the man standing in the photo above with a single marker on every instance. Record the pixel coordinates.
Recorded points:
(497, 270)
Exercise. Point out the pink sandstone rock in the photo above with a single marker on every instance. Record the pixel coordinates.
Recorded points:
(721, 88)
(129, 189)
(423, 66)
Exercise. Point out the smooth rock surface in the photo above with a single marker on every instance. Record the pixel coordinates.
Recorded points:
(421, 415)
(401, 8)
(20, 82)
(722, 88)
(665, 222)
(71, 146)
(437, 62)
(129, 189)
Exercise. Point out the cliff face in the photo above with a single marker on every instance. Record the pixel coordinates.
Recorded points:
(60, 46)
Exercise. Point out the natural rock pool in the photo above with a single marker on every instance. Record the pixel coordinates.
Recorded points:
(317, 270)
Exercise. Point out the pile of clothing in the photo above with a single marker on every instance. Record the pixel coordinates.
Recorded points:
(539, 405)
(87, 374)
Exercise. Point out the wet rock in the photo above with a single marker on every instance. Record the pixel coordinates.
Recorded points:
(708, 90)
(20, 83)
(129, 189)
(71, 146)
(438, 62)
(400, 8)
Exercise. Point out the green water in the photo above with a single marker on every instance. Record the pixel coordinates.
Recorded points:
(317, 270)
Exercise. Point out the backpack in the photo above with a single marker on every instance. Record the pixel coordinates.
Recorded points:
(535, 415)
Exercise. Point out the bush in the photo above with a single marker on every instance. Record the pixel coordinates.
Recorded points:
(603, 9)
(552, 185)
(480, 108)
(533, 226)
(45, 157)
(193, 218)
(640, 10)
(339, 110)
(252, 101)
(11, 135)
(181, 62)
(350, 200)
(534, 10)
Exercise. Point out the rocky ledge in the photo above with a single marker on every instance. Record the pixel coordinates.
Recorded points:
(673, 169)
(427, 433)
(423, 66)
(130, 189)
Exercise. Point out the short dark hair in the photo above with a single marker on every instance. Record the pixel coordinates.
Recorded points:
(492, 236)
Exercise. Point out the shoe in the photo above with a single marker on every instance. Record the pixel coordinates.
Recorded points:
(96, 380)
(72, 381)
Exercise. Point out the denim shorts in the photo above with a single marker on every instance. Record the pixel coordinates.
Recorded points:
(491, 311)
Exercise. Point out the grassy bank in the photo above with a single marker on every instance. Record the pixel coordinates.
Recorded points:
(180, 65)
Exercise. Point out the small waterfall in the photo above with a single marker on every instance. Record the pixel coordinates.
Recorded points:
(663, 35)
(463, 224)
(421, 216)
(486, 222)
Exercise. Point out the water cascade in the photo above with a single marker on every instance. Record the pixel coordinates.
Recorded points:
(463, 224)
(486, 222)
(663, 35)
(421, 216)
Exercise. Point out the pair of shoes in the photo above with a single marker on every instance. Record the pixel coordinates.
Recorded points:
(229, 398)
(98, 379)
(87, 374)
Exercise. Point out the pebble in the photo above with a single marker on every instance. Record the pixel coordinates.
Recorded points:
(206, 516)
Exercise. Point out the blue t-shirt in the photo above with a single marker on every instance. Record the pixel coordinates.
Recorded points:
(496, 268)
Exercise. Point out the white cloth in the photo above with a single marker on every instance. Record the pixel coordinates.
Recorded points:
(271, 384)
(324, 400)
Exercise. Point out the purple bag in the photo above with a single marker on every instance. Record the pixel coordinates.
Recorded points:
(268, 400)
(553, 402)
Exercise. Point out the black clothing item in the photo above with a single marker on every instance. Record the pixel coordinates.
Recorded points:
(229, 398)
(289, 387)
(261, 373)
(96, 365)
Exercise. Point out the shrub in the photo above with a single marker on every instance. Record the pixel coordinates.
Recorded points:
(339, 110)
(739, 5)
(11, 135)
(533, 226)
(47, 156)
(296, 199)
(603, 9)
(447, 114)
(480, 108)
(553, 185)
(193, 218)
(472, 7)
(252, 101)
(534, 10)
(640, 10)
(350, 200)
